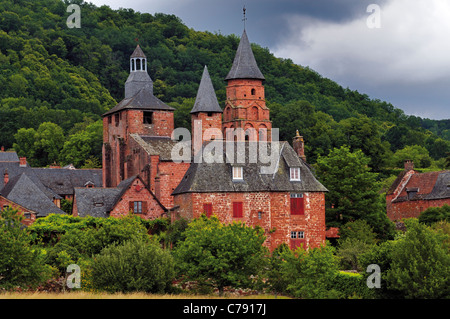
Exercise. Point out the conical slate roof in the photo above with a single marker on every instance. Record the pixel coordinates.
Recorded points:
(244, 64)
(206, 100)
(138, 53)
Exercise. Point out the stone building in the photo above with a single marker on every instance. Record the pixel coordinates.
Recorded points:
(413, 192)
(288, 201)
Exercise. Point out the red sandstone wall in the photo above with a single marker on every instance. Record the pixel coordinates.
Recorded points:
(276, 219)
(22, 210)
(137, 192)
(413, 208)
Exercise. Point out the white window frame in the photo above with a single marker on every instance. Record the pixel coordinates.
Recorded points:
(295, 174)
(297, 234)
(238, 173)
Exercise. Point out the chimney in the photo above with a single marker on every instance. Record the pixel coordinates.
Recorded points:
(3, 148)
(299, 146)
(5, 177)
(409, 165)
(22, 161)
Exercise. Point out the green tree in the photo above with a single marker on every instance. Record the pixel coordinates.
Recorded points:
(416, 153)
(435, 214)
(20, 263)
(221, 255)
(134, 265)
(84, 145)
(353, 190)
(308, 273)
(41, 147)
(420, 263)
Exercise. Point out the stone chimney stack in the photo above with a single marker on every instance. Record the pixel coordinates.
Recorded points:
(22, 161)
(5, 177)
(409, 165)
(299, 146)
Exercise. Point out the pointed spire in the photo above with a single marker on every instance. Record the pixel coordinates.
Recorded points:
(206, 100)
(244, 64)
(138, 53)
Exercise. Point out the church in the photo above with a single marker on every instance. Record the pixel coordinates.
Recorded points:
(218, 170)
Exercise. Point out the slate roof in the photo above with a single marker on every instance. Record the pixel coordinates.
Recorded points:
(9, 157)
(244, 64)
(63, 180)
(426, 186)
(156, 145)
(207, 177)
(206, 100)
(143, 100)
(23, 191)
(95, 202)
(138, 53)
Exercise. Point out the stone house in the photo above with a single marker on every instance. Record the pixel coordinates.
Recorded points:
(413, 192)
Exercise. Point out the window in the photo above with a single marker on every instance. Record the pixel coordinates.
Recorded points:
(27, 215)
(207, 209)
(138, 207)
(109, 119)
(297, 204)
(253, 91)
(295, 174)
(116, 118)
(148, 118)
(237, 210)
(297, 235)
(260, 215)
(238, 173)
(297, 239)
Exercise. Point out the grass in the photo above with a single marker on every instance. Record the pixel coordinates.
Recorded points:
(137, 295)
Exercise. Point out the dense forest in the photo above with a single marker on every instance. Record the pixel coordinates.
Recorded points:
(56, 82)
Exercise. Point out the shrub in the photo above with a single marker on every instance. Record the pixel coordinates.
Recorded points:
(435, 214)
(133, 266)
(351, 285)
(221, 255)
(21, 264)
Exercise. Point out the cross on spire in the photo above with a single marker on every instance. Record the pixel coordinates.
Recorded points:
(244, 19)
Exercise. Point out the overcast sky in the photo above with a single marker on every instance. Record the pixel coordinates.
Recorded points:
(396, 51)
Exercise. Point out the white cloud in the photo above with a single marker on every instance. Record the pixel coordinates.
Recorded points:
(412, 44)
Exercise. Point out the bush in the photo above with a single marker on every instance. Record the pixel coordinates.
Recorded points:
(134, 266)
(351, 285)
(21, 264)
(435, 214)
(308, 273)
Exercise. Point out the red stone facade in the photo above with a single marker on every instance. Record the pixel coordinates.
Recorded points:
(269, 210)
(28, 219)
(412, 193)
(117, 153)
(246, 108)
(137, 192)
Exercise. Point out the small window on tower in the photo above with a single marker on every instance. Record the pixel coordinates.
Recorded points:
(148, 117)
(253, 91)
(116, 119)
(210, 114)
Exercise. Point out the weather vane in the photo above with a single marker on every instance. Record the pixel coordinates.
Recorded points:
(245, 19)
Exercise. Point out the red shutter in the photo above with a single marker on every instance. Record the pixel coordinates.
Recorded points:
(131, 207)
(297, 206)
(237, 210)
(144, 207)
(207, 209)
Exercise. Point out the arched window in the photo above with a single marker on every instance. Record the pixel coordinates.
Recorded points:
(253, 91)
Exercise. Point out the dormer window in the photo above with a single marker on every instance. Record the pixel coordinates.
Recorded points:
(295, 174)
(238, 174)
